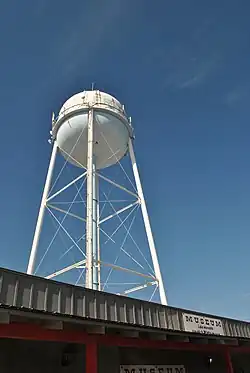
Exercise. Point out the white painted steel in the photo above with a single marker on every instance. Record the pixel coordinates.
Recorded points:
(118, 185)
(65, 212)
(66, 269)
(111, 134)
(139, 287)
(92, 131)
(89, 213)
(32, 258)
(147, 225)
(95, 231)
(118, 212)
(66, 186)
(98, 233)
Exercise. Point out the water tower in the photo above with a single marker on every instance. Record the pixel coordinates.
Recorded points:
(93, 132)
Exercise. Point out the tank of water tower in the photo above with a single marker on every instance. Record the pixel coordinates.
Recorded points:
(111, 131)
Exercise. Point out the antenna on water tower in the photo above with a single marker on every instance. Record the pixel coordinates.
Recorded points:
(93, 133)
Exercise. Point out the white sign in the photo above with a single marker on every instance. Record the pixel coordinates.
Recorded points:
(152, 369)
(202, 324)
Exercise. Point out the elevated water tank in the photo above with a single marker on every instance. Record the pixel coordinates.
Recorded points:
(111, 129)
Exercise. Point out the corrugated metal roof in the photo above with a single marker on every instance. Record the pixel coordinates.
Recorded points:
(34, 293)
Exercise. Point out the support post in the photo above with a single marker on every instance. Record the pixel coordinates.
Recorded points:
(98, 235)
(95, 227)
(32, 258)
(91, 358)
(89, 213)
(147, 225)
(229, 364)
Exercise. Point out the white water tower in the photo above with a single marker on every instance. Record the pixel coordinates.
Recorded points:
(93, 132)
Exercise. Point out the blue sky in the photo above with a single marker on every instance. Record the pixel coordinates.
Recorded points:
(182, 69)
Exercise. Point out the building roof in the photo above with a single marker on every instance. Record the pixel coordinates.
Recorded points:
(31, 297)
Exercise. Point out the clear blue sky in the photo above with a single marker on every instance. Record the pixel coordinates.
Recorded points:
(183, 70)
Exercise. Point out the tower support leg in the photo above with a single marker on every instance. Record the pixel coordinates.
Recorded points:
(33, 252)
(89, 213)
(147, 225)
(98, 235)
(95, 229)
